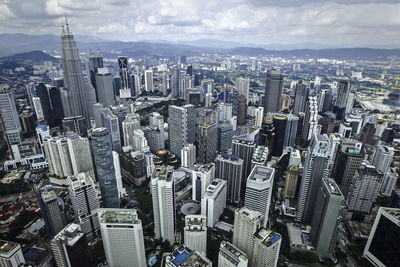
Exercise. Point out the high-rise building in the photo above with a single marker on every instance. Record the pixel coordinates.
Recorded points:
(280, 124)
(316, 167)
(225, 133)
(70, 247)
(123, 71)
(50, 101)
(348, 160)
(188, 155)
(273, 90)
(260, 156)
(259, 190)
(182, 127)
(75, 124)
(213, 201)
(389, 182)
(111, 122)
(383, 158)
(300, 97)
(75, 88)
(242, 110)
(11, 254)
(38, 108)
(95, 61)
(154, 137)
(259, 116)
(207, 140)
(52, 211)
(382, 246)
(310, 121)
(202, 175)
(325, 220)
(243, 86)
(343, 89)
(9, 116)
(365, 188)
(104, 84)
(175, 77)
(163, 194)
(148, 80)
(140, 141)
(291, 181)
(129, 125)
(267, 245)
(230, 169)
(246, 224)
(104, 164)
(231, 256)
(123, 240)
(195, 233)
(185, 257)
(85, 203)
(244, 149)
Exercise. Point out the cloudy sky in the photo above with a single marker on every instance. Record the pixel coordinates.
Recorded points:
(337, 23)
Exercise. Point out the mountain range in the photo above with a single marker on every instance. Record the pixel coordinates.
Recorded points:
(11, 44)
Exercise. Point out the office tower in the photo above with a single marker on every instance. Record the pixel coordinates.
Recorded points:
(267, 245)
(208, 100)
(133, 166)
(273, 90)
(244, 149)
(310, 122)
(348, 159)
(95, 61)
(195, 233)
(300, 97)
(188, 155)
(230, 169)
(389, 182)
(111, 122)
(182, 127)
(207, 140)
(38, 108)
(365, 188)
(137, 83)
(70, 247)
(140, 141)
(175, 77)
(350, 102)
(231, 256)
(260, 156)
(42, 133)
(148, 80)
(68, 155)
(105, 92)
(213, 201)
(27, 121)
(388, 135)
(154, 137)
(75, 103)
(129, 125)
(122, 234)
(9, 116)
(51, 208)
(259, 190)
(224, 138)
(104, 164)
(383, 158)
(291, 130)
(280, 124)
(259, 117)
(343, 91)
(291, 181)
(367, 133)
(202, 175)
(118, 176)
(75, 124)
(316, 167)
(382, 247)
(243, 86)
(246, 224)
(123, 71)
(242, 109)
(326, 218)
(11, 254)
(85, 203)
(185, 257)
(163, 194)
(267, 135)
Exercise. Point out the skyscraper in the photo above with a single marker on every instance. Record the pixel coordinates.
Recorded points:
(103, 160)
(202, 175)
(76, 103)
(70, 247)
(75, 124)
(246, 224)
(316, 167)
(389, 182)
(148, 80)
(266, 248)
(50, 100)
(163, 194)
(383, 158)
(244, 149)
(213, 201)
(230, 169)
(195, 233)
(242, 110)
(123, 71)
(291, 181)
(260, 156)
(243, 86)
(129, 125)
(104, 85)
(300, 97)
(11, 254)
(184, 256)
(207, 140)
(365, 188)
(310, 122)
(9, 116)
(231, 256)
(382, 246)
(111, 122)
(85, 203)
(325, 220)
(273, 90)
(123, 240)
(259, 190)
(188, 155)
(343, 88)
(95, 61)
(52, 212)
(182, 127)
(175, 81)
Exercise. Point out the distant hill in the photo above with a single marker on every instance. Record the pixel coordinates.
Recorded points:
(20, 43)
(33, 56)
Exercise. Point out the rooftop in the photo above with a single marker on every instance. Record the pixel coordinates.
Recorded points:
(332, 186)
(267, 237)
(118, 216)
(234, 250)
(7, 246)
(261, 173)
(185, 257)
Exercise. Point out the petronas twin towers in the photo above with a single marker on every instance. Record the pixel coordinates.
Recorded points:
(78, 95)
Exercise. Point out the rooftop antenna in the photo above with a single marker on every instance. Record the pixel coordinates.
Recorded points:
(66, 21)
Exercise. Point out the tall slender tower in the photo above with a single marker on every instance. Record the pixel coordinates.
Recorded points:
(76, 102)
(273, 90)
